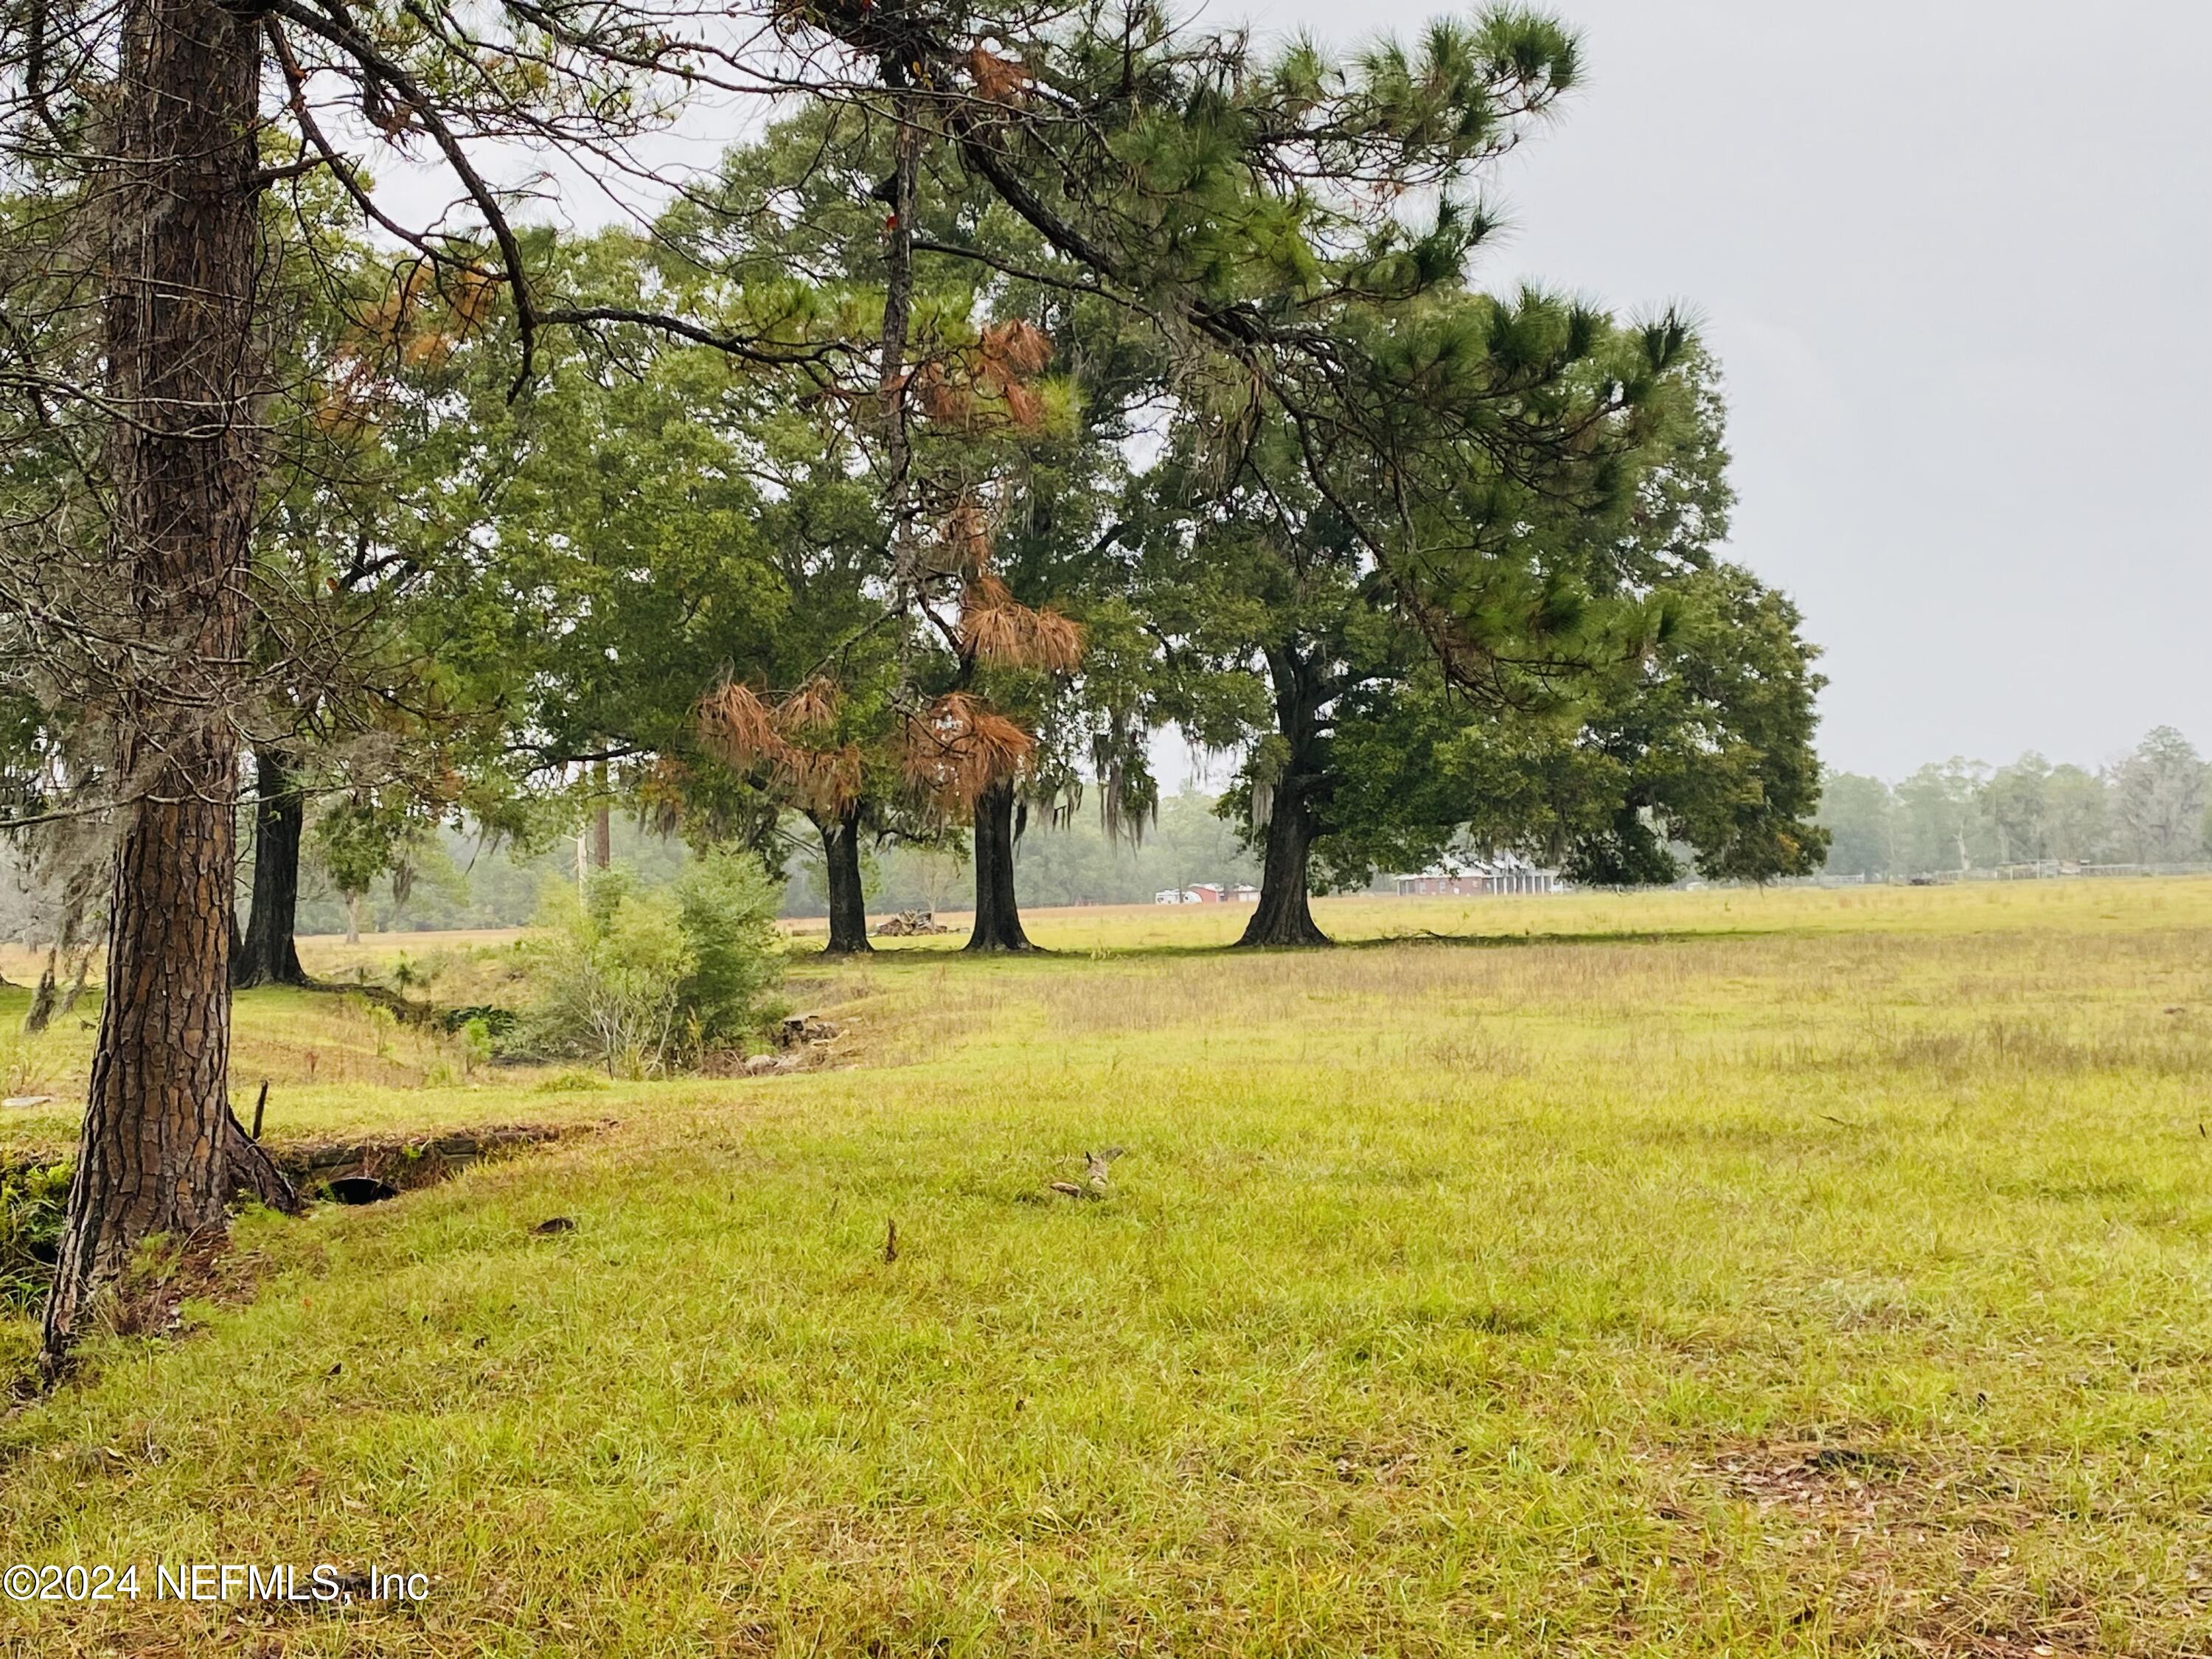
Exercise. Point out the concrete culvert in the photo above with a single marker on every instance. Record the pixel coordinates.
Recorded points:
(361, 1189)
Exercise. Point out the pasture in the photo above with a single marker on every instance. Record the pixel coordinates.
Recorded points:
(1726, 1273)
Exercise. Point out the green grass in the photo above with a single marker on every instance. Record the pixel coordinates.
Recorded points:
(336, 1065)
(1704, 1274)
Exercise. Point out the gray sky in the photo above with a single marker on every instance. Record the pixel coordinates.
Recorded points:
(1956, 257)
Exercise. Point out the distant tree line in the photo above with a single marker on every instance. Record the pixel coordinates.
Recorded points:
(457, 878)
(2147, 807)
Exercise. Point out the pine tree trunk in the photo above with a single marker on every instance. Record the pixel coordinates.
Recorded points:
(848, 902)
(1283, 916)
(997, 919)
(267, 955)
(157, 1153)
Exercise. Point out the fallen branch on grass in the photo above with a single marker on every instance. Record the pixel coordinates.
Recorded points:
(1096, 1168)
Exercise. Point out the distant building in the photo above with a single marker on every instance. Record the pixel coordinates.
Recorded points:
(1207, 892)
(1455, 877)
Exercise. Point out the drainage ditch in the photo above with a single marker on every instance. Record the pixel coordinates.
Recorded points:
(32, 1191)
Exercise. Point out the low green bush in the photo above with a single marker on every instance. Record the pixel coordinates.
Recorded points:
(496, 1020)
(645, 981)
(31, 1202)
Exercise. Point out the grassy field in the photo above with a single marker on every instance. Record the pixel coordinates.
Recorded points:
(1719, 1273)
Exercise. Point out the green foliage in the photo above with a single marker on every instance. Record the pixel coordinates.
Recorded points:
(1959, 816)
(369, 834)
(1718, 737)
(2075, 814)
(2158, 796)
(647, 980)
(1860, 815)
(1940, 828)
(725, 910)
(2039, 811)
(1578, 680)
(606, 975)
(475, 1044)
(1707, 747)
(471, 880)
(31, 1205)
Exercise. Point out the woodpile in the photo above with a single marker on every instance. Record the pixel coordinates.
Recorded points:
(908, 923)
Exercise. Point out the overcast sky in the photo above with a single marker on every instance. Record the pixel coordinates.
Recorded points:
(1956, 257)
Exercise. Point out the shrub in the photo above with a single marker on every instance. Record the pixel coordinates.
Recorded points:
(645, 981)
(31, 1205)
(727, 911)
(23, 1069)
(495, 1020)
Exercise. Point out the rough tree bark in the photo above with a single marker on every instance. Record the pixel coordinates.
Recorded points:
(1283, 916)
(848, 903)
(267, 954)
(159, 1152)
(998, 918)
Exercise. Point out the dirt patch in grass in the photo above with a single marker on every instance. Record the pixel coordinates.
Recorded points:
(1873, 1548)
(1808, 1481)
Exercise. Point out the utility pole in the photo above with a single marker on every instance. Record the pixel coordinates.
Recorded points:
(602, 840)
